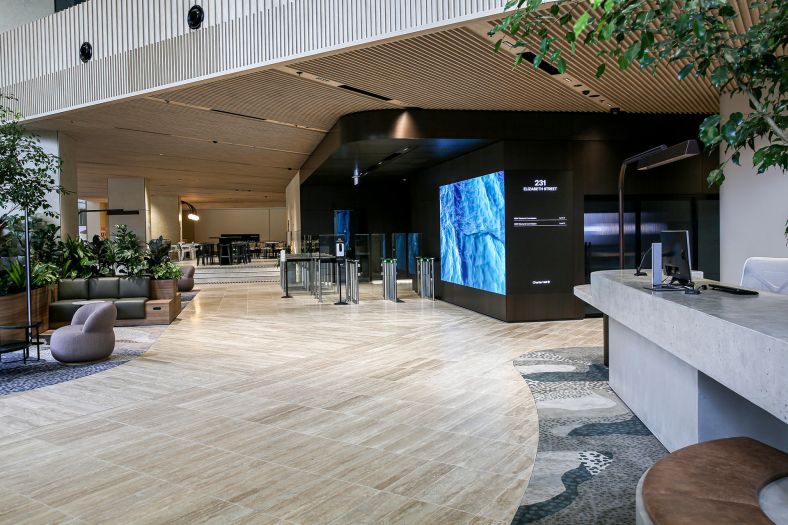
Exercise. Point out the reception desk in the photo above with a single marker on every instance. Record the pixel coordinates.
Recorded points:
(696, 367)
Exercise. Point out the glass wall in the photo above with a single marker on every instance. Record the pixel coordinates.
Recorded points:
(83, 219)
(644, 219)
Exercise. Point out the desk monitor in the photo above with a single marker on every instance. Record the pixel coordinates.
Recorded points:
(676, 259)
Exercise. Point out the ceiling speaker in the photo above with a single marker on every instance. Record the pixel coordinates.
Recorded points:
(195, 17)
(85, 52)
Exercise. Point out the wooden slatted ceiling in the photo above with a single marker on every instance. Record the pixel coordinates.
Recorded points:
(173, 147)
(253, 160)
(148, 116)
(452, 69)
(270, 95)
(458, 69)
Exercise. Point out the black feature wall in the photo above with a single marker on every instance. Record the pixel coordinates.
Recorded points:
(377, 206)
(582, 152)
(544, 230)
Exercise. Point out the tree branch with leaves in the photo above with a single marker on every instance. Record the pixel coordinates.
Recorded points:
(699, 35)
(27, 171)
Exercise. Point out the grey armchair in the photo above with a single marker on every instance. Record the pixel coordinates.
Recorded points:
(186, 282)
(89, 337)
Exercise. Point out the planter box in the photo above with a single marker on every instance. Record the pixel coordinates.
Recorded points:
(163, 289)
(13, 311)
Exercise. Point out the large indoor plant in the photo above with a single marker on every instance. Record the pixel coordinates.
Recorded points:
(27, 178)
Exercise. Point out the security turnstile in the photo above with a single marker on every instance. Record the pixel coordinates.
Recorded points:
(351, 280)
(389, 267)
(425, 277)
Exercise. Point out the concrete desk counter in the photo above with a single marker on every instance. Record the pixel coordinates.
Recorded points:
(696, 367)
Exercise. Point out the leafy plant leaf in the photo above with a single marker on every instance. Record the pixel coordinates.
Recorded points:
(581, 23)
(685, 71)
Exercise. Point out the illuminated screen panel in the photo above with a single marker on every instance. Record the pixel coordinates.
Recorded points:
(473, 233)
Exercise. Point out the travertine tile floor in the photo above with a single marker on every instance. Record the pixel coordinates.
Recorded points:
(253, 409)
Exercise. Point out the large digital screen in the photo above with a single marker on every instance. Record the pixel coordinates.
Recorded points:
(473, 233)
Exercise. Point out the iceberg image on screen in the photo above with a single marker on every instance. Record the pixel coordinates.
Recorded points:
(473, 233)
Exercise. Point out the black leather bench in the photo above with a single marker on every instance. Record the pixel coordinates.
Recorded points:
(129, 294)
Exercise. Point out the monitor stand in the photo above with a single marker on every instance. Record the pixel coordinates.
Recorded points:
(688, 288)
(665, 288)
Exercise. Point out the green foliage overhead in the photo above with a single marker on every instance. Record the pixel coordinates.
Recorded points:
(699, 35)
(27, 172)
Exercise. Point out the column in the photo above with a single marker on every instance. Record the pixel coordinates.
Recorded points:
(69, 209)
(293, 200)
(65, 205)
(753, 208)
(165, 217)
(96, 221)
(129, 194)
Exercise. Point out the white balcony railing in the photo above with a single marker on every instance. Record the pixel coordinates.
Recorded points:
(145, 45)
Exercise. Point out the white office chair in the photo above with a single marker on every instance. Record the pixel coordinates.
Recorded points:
(769, 274)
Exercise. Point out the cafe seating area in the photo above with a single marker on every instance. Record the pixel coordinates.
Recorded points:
(229, 251)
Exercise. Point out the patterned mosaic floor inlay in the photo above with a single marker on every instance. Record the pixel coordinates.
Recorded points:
(16, 376)
(592, 449)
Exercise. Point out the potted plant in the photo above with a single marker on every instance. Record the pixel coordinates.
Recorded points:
(103, 260)
(76, 260)
(27, 178)
(13, 300)
(129, 257)
(165, 273)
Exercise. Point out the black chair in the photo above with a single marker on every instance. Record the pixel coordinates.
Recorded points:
(211, 253)
(200, 254)
(238, 252)
(225, 254)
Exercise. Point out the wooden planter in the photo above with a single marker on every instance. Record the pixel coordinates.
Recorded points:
(13, 311)
(165, 302)
(163, 289)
